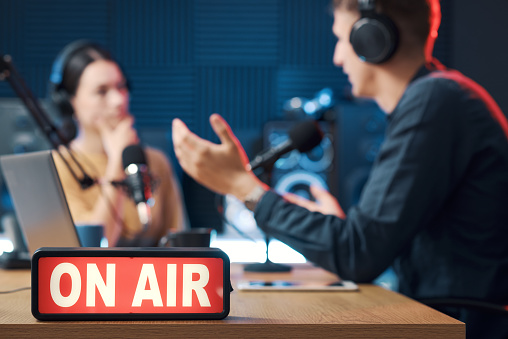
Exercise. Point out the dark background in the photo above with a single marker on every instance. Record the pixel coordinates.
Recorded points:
(241, 58)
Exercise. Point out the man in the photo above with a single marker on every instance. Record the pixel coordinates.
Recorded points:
(436, 203)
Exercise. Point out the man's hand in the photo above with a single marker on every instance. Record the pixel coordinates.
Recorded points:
(220, 167)
(325, 202)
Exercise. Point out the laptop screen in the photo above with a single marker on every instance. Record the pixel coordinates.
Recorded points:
(39, 200)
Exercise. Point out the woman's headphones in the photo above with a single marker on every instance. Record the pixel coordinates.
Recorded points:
(57, 93)
(374, 36)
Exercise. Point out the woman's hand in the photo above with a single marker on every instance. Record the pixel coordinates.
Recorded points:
(116, 138)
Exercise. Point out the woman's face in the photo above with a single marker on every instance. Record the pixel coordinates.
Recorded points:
(101, 96)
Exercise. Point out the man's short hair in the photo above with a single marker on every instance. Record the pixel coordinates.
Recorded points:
(417, 19)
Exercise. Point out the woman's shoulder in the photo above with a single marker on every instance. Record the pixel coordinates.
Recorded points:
(156, 158)
(154, 152)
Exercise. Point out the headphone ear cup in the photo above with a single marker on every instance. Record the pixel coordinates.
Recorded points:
(62, 101)
(58, 95)
(374, 38)
(67, 126)
(68, 129)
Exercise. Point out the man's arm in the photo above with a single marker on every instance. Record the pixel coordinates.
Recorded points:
(409, 183)
(407, 186)
(220, 167)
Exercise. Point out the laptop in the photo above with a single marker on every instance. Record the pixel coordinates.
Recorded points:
(39, 200)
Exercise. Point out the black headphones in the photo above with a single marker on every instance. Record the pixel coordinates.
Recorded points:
(374, 36)
(58, 95)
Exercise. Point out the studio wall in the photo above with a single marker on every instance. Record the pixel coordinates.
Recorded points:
(190, 58)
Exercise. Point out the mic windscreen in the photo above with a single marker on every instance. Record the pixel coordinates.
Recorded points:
(133, 154)
(306, 135)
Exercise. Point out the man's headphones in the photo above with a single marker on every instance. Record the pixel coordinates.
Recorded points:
(374, 36)
(58, 95)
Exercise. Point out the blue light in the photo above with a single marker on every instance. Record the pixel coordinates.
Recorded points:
(325, 97)
(310, 107)
(325, 100)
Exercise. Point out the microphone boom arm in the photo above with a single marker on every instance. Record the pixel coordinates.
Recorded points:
(54, 135)
(8, 72)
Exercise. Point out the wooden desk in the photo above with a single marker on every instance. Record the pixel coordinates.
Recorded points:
(373, 312)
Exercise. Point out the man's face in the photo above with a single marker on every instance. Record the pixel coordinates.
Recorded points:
(360, 74)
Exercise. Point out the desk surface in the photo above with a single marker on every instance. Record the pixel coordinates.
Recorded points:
(372, 312)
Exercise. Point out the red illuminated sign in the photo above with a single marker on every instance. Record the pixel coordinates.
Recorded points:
(130, 284)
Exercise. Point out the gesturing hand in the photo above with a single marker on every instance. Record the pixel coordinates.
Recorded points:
(220, 167)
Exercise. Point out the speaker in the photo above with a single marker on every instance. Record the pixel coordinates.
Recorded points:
(295, 172)
(374, 36)
(19, 132)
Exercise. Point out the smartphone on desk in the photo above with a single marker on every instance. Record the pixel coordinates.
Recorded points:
(286, 285)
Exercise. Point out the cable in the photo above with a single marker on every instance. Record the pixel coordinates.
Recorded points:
(111, 207)
(16, 290)
(86, 181)
(220, 210)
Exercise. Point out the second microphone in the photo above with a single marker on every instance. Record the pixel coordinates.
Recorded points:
(138, 183)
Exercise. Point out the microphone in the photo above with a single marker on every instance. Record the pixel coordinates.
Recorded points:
(303, 137)
(138, 182)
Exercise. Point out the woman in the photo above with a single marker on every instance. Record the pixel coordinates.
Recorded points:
(87, 84)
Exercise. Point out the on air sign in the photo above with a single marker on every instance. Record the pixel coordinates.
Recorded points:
(133, 283)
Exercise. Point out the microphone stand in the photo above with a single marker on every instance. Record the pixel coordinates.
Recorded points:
(56, 138)
(267, 266)
(20, 258)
